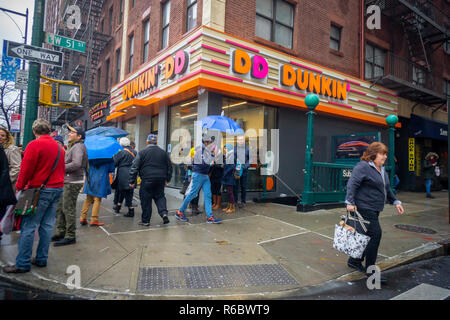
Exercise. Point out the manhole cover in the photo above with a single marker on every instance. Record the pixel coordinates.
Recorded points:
(155, 279)
(411, 228)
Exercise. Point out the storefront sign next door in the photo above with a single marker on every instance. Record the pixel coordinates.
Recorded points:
(421, 127)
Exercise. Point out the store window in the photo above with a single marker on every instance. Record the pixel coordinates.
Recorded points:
(375, 62)
(275, 21)
(130, 127)
(181, 116)
(254, 116)
(155, 120)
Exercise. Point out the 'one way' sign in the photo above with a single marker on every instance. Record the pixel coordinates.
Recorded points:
(35, 54)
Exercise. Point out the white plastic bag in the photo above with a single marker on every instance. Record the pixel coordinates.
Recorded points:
(437, 171)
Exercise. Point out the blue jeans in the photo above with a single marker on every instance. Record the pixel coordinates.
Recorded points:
(428, 183)
(199, 181)
(44, 217)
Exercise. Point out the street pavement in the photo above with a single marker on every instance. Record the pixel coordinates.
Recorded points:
(263, 251)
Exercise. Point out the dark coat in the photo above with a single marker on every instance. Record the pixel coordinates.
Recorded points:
(228, 170)
(428, 169)
(123, 161)
(152, 164)
(7, 196)
(98, 184)
(216, 173)
(366, 188)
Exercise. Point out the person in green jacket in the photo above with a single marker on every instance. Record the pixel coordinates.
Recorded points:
(429, 171)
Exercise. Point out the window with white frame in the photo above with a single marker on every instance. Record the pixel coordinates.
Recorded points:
(275, 21)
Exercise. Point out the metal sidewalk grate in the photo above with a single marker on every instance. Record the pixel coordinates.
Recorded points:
(155, 279)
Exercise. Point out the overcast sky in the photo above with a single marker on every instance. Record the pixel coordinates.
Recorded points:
(8, 30)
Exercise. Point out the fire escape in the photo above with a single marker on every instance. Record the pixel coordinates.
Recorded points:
(426, 28)
(81, 67)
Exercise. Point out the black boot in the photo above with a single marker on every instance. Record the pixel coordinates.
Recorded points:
(130, 213)
(116, 208)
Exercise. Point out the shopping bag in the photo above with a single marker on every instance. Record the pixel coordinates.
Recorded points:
(348, 240)
(7, 223)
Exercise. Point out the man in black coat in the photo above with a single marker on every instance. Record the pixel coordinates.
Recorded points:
(123, 161)
(155, 169)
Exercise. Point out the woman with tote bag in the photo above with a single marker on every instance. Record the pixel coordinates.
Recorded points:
(368, 189)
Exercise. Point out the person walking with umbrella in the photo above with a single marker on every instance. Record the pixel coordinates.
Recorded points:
(429, 171)
(123, 162)
(203, 158)
(96, 187)
(100, 151)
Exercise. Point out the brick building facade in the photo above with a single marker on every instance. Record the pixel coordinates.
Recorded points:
(386, 71)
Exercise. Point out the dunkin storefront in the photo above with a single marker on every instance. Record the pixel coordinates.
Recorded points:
(210, 72)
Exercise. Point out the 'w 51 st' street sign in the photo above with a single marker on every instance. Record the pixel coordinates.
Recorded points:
(64, 42)
(34, 54)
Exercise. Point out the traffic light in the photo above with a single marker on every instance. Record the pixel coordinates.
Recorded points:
(59, 93)
(68, 93)
(45, 93)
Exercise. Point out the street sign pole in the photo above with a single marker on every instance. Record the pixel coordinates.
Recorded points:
(34, 73)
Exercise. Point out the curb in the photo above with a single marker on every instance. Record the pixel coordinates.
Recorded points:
(426, 251)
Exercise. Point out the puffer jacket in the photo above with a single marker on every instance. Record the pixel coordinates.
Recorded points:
(76, 163)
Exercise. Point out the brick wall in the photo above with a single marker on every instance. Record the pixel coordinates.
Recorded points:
(311, 38)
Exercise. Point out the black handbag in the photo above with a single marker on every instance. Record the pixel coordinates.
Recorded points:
(28, 199)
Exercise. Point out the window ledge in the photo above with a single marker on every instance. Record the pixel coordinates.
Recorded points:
(274, 46)
(336, 53)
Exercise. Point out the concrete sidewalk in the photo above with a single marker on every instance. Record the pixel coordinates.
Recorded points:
(261, 251)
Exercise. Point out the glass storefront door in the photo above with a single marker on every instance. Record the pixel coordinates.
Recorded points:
(181, 123)
(252, 117)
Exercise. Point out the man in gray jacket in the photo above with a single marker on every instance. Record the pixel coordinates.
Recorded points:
(76, 162)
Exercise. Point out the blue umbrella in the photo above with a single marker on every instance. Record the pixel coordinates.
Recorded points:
(100, 147)
(221, 123)
(107, 132)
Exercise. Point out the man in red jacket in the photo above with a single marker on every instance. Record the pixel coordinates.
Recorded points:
(37, 163)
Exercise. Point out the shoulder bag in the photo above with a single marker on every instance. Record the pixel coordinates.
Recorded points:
(27, 200)
(347, 239)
